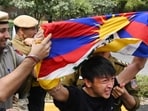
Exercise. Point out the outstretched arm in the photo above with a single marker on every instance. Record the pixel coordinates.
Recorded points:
(11, 82)
(59, 92)
(131, 70)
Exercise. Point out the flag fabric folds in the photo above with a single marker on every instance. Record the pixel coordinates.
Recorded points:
(74, 40)
(132, 39)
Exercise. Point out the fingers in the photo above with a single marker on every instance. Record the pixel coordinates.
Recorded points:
(28, 41)
(49, 35)
(117, 91)
(38, 40)
(47, 39)
(41, 48)
(39, 34)
(42, 40)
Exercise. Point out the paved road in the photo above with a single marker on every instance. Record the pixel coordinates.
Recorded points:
(143, 108)
(144, 105)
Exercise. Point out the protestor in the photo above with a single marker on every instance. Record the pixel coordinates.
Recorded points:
(99, 81)
(132, 87)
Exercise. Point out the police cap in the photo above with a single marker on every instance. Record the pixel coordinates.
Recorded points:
(25, 21)
(3, 17)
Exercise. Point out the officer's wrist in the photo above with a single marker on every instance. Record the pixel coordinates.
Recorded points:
(35, 58)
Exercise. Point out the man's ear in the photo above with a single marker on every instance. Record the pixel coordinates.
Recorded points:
(87, 83)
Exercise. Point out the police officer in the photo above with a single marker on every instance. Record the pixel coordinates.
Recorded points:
(7, 55)
(13, 65)
(132, 87)
(26, 27)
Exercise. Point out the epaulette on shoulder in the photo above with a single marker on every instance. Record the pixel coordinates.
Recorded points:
(116, 61)
(121, 63)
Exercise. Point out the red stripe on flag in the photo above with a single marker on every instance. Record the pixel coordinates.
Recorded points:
(50, 65)
(138, 30)
(66, 29)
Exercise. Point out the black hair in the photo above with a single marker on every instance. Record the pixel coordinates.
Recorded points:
(4, 22)
(97, 66)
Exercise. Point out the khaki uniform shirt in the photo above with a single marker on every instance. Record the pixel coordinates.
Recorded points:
(23, 49)
(9, 60)
(20, 46)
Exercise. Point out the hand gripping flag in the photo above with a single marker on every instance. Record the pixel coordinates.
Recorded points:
(73, 40)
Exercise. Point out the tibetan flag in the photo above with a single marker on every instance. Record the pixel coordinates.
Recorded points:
(74, 40)
(132, 39)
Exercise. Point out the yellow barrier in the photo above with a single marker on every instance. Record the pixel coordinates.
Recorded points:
(52, 107)
(123, 108)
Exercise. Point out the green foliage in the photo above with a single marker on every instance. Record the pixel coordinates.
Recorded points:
(131, 5)
(22, 4)
(103, 6)
(11, 27)
(54, 9)
(143, 85)
(134, 5)
(120, 5)
(33, 8)
(5, 3)
(67, 9)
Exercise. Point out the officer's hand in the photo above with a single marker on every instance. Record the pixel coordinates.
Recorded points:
(28, 41)
(42, 49)
(39, 36)
(118, 90)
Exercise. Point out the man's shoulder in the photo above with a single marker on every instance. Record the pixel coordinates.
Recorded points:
(118, 62)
